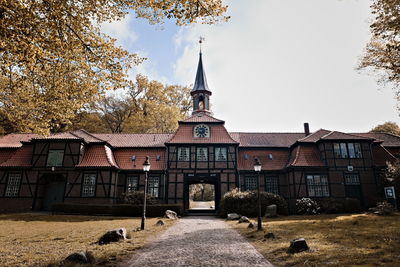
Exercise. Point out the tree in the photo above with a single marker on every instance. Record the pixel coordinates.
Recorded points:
(383, 50)
(54, 60)
(149, 107)
(387, 127)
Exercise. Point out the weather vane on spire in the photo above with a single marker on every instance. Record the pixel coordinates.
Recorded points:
(201, 40)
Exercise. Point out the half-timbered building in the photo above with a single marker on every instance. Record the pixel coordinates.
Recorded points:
(92, 168)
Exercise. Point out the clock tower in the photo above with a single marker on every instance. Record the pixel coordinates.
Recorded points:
(200, 92)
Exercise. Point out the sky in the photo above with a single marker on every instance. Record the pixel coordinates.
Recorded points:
(275, 65)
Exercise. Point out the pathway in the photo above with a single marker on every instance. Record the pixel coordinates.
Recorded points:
(199, 241)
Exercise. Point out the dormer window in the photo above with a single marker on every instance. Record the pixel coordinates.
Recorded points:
(55, 158)
(347, 150)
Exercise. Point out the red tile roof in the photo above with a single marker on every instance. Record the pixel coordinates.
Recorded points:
(334, 135)
(266, 139)
(315, 136)
(61, 136)
(14, 140)
(21, 157)
(124, 158)
(218, 135)
(98, 156)
(305, 156)
(88, 137)
(389, 140)
(135, 140)
(201, 117)
(5, 154)
(381, 155)
(278, 161)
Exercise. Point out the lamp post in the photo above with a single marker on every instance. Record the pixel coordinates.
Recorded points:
(146, 169)
(257, 169)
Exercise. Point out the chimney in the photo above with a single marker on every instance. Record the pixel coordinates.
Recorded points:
(306, 129)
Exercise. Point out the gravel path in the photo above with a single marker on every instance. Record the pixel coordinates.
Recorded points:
(199, 241)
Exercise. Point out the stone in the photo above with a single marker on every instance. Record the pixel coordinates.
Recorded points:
(271, 211)
(171, 215)
(113, 236)
(269, 235)
(81, 257)
(244, 219)
(233, 216)
(252, 225)
(160, 223)
(298, 245)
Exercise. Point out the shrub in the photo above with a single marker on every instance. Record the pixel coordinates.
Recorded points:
(245, 203)
(137, 197)
(383, 208)
(115, 210)
(307, 206)
(339, 205)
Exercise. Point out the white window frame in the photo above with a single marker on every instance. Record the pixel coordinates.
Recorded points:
(13, 185)
(217, 153)
(183, 153)
(317, 185)
(132, 183)
(202, 156)
(89, 185)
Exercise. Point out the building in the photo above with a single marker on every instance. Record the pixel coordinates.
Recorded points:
(83, 167)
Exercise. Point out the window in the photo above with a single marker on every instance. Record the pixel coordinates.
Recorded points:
(89, 185)
(131, 183)
(347, 150)
(153, 186)
(317, 185)
(55, 158)
(220, 154)
(202, 154)
(183, 154)
(13, 184)
(250, 183)
(352, 179)
(271, 185)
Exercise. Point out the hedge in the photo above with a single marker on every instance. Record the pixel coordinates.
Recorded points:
(115, 210)
(339, 205)
(245, 203)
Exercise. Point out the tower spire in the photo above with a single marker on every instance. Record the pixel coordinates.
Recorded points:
(200, 92)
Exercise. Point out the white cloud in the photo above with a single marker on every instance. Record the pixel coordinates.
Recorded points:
(121, 30)
(278, 64)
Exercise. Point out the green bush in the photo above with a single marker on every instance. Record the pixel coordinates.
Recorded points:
(137, 197)
(245, 203)
(339, 205)
(156, 210)
(307, 206)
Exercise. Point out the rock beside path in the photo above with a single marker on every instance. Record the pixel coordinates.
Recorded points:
(271, 211)
(298, 245)
(244, 219)
(113, 236)
(233, 216)
(81, 257)
(160, 223)
(171, 215)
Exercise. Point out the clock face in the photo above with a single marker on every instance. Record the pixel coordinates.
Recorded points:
(201, 131)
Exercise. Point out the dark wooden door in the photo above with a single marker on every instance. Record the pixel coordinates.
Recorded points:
(54, 194)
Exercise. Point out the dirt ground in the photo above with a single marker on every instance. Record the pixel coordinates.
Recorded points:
(40, 239)
(335, 240)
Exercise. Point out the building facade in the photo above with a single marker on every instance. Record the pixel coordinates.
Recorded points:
(83, 167)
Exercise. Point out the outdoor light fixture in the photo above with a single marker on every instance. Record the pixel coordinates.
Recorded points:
(257, 169)
(146, 169)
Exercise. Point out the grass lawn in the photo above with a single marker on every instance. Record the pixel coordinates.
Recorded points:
(40, 239)
(335, 240)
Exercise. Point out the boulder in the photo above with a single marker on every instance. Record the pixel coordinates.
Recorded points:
(271, 211)
(269, 235)
(252, 225)
(160, 223)
(113, 236)
(81, 257)
(298, 245)
(171, 215)
(244, 219)
(233, 216)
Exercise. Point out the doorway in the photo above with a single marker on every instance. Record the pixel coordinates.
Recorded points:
(201, 193)
(54, 190)
(202, 197)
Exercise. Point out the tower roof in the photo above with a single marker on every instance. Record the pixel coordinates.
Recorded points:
(200, 83)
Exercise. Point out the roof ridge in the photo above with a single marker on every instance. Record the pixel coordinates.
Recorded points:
(114, 164)
(305, 137)
(328, 134)
(88, 133)
(297, 155)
